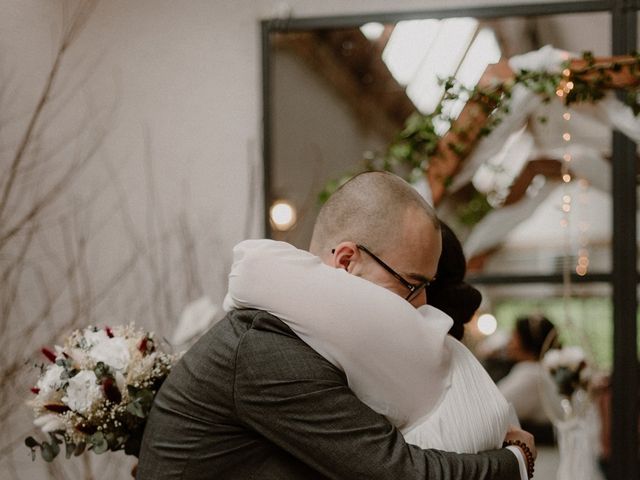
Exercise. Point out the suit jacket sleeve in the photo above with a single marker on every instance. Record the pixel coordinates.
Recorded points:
(289, 394)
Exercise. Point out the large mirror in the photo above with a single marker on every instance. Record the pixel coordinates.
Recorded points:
(339, 96)
(531, 201)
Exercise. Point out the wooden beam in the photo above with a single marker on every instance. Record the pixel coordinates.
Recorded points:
(615, 73)
(353, 66)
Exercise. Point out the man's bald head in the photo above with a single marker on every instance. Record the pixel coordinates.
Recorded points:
(369, 209)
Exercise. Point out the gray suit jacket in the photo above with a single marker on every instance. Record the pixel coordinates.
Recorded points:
(250, 400)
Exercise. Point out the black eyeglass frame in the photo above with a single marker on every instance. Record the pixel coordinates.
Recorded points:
(414, 290)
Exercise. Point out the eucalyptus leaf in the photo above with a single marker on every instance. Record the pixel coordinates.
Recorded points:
(69, 449)
(99, 443)
(49, 451)
(31, 442)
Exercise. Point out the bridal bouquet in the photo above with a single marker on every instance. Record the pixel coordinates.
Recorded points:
(568, 369)
(96, 391)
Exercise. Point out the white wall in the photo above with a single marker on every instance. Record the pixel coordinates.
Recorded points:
(175, 87)
(316, 138)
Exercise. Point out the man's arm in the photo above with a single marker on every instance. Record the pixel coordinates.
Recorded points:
(292, 396)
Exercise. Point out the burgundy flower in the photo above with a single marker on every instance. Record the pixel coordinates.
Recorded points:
(146, 345)
(87, 429)
(49, 354)
(111, 390)
(35, 390)
(109, 332)
(56, 407)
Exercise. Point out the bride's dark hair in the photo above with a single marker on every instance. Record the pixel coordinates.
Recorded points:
(449, 292)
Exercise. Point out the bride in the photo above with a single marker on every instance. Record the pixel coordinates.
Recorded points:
(399, 360)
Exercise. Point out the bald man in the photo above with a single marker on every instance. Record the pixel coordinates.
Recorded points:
(250, 400)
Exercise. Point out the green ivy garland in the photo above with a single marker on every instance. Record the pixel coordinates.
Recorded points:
(410, 152)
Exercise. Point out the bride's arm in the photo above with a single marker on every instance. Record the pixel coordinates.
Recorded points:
(393, 355)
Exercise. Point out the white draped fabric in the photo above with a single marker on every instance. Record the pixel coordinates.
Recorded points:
(398, 360)
(590, 125)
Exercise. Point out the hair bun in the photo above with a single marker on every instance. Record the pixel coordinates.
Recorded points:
(459, 301)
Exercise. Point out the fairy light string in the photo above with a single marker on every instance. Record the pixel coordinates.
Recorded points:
(564, 88)
(568, 205)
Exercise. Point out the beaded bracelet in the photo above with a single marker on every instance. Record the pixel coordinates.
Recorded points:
(527, 454)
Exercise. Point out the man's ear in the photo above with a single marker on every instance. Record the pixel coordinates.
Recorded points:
(344, 256)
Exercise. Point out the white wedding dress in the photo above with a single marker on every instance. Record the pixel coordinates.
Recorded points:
(398, 360)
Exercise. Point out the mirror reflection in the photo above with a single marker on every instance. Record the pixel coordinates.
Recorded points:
(341, 96)
(527, 194)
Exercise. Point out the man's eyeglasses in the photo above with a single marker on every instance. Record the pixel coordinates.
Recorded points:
(414, 290)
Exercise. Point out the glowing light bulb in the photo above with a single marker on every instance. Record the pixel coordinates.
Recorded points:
(566, 136)
(566, 178)
(283, 215)
(487, 324)
(566, 116)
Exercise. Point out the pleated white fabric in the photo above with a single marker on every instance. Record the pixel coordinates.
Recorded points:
(473, 415)
(398, 360)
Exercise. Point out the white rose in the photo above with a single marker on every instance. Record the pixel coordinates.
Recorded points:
(94, 338)
(83, 392)
(49, 422)
(79, 357)
(51, 381)
(113, 352)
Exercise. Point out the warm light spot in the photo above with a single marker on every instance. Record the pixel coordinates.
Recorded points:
(566, 116)
(567, 157)
(487, 324)
(560, 92)
(283, 215)
(581, 270)
(566, 136)
(566, 208)
(569, 85)
(566, 178)
(566, 198)
(566, 72)
(583, 261)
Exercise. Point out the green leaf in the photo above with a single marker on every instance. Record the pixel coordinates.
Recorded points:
(99, 443)
(31, 442)
(80, 447)
(141, 403)
(69, 449)
(50, 451)
(135, 409)
(102, 370)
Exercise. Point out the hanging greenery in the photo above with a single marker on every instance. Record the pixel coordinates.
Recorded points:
(418, 144)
